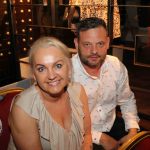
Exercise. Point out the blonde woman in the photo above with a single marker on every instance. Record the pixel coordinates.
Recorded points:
(53, 113)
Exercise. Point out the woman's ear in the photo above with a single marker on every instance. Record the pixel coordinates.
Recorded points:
(32, 74)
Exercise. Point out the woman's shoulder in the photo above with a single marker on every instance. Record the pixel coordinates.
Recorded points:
(76, 86)
(27, 99)
(28, 93)
(75, 89)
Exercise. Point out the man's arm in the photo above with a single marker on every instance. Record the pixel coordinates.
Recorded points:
(105, 140)
(127, 103)
(108, 142)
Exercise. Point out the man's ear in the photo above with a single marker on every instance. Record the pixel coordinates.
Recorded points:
(76, 43)
(108, 42)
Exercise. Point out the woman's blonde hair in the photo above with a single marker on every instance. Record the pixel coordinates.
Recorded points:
(45, 42)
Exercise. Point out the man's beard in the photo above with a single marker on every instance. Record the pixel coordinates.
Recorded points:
(85, 61)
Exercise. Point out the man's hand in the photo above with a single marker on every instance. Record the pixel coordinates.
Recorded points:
(131, 133)
(108, 142)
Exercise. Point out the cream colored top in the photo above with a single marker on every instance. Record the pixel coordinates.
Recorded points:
(99, 8)
(53, 136)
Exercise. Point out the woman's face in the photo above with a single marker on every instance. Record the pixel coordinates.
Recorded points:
(51, 70)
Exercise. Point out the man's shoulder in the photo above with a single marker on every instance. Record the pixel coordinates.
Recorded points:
(114, 64)
(110, 58)
(75, 61)
(112, 61)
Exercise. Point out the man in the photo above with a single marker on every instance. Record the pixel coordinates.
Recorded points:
(105, 80)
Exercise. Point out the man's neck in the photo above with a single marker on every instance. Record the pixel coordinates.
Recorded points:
(92, 71)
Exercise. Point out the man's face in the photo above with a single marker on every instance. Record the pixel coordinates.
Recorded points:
(92, 46)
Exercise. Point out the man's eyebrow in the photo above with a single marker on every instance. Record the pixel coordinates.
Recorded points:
(101, 42)
(60, 60)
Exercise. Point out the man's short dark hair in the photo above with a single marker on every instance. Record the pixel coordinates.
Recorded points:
(90, 23)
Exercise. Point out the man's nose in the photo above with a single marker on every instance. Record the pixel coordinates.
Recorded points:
(94, 49)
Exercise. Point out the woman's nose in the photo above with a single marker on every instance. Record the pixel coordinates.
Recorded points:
(51, 74)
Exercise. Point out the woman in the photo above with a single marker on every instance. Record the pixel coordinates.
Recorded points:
(53, 113)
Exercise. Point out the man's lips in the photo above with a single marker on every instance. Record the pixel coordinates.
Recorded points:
(93, 56)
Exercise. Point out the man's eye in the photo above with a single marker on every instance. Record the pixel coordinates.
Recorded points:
(58, 66)
(87, 45)
(100, 44)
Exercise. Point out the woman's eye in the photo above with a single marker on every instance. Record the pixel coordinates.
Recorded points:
(41, 69)
(58, 66)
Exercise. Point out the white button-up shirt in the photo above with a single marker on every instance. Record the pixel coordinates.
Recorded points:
(105, 92)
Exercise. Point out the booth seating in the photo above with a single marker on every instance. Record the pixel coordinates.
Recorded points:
(140, 141)
(7, 94)
(5, 104)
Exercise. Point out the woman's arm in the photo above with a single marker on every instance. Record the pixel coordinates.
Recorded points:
(87, 145)
(24, 130)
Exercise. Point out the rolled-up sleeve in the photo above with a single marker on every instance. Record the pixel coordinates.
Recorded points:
(126, 100)
(96, 137)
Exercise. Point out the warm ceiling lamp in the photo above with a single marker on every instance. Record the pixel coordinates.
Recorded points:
(21, 10)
